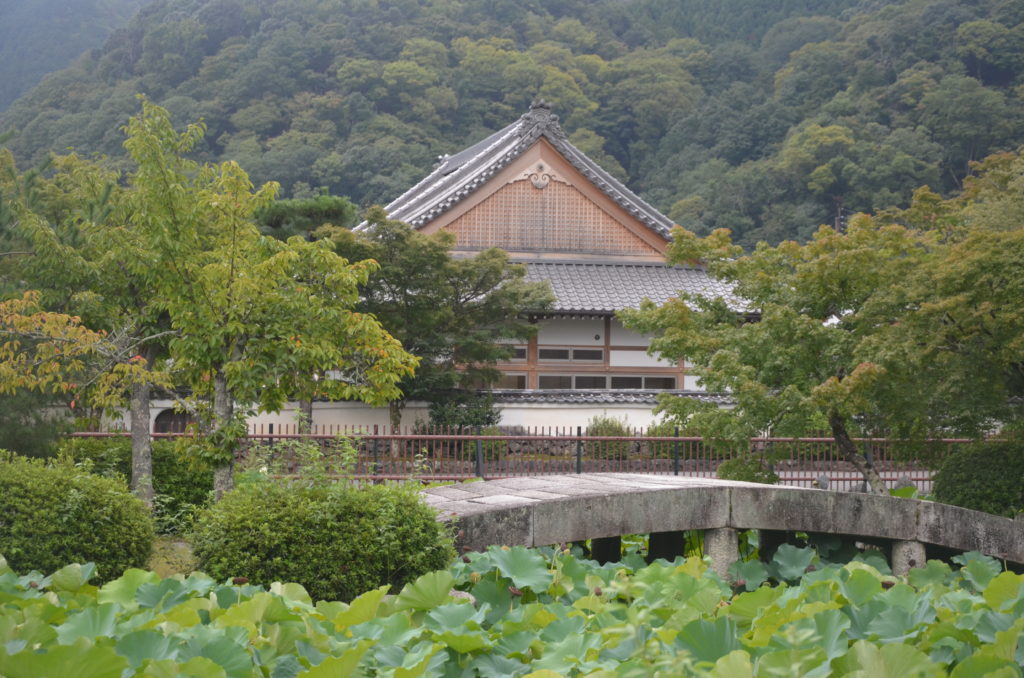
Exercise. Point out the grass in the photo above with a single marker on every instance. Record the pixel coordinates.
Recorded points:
(172, 555)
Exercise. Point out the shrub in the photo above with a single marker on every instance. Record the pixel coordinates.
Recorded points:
(180, 486)
(460, 411)
(336, 540)
(54, 514)
(748, 467)
(602, 425)
(984, 477)
(662, 449)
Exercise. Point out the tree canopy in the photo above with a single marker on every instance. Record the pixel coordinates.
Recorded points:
(906, 324)
(459, 316)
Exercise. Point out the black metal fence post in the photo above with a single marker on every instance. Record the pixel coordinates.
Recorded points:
(579, 450)
(479, 455)
(675, 453)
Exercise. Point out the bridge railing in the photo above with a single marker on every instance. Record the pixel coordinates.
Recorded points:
(379, 452)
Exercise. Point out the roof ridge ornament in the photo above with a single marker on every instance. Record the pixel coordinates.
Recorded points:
(540, 115)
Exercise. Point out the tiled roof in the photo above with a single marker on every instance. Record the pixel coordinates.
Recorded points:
(595, 397)
(456, 176)
(604, 287)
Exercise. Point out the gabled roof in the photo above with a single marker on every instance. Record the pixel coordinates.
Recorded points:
(601, 288)
(456, 176)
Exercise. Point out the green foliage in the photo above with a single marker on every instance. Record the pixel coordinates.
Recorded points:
(463, 411)
(603, 425)
(179, 484)
(285, 218)
(336, 540)
(749, 467)
(665, 450)
(517, 612)
(456, 315)
(29, 426)
(53, 514)
(984, 477)
(699, 105)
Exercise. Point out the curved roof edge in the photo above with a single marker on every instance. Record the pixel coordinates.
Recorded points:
(457, 176)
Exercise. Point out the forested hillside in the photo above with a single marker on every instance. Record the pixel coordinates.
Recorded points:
(766, 118)
(41, 36)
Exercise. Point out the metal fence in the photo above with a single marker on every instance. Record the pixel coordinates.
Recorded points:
(431, 454)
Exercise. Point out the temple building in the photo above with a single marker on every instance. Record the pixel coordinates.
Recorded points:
(529, 191)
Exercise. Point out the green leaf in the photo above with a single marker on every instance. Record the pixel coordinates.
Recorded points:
(81, 660)
(752, 573)
(861, 586)
(791, 562)
(934, 573)
(362, 609)
(709, 640)
(736, 664)
(72, 577)
(1004, 590)
(92, 622)
(982, 666)
(122, 590)
(894, 660)
(525, 567)
(138, 646)
(291, 591)
(427, 592)
(340, 666)
(980, 571)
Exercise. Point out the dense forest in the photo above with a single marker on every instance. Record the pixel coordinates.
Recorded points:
(765, 118)
(41, 36)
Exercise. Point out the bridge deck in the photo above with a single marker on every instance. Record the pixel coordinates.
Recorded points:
(543, 510)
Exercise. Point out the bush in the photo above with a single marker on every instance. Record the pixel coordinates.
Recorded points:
(336, 540)
(984, 477)
(602, 425)
(661, 449)
(180, 486)
(55, 514)
(748, 467)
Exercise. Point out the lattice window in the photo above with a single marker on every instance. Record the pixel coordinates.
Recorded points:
(557, 218)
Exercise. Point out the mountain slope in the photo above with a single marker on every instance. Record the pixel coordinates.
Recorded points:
(721, 115)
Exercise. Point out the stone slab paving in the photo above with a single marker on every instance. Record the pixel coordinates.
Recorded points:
(535, 511)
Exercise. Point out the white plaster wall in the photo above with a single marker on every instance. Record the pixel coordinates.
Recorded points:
(568, 415)
(636, 359)
(692, 383)
(580, 332)
(623, 337)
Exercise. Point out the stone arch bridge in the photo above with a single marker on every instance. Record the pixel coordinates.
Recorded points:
(543, 510)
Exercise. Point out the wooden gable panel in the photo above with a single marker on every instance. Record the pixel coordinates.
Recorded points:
(541, 204)
(529, 216)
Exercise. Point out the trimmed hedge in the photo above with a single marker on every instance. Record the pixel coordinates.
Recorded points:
(986, 476)
(54, 514)
(336, 540)
(179, 484)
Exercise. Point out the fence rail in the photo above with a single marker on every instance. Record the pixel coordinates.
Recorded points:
(378, 452)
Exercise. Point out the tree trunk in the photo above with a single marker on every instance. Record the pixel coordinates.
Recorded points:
(142, 444)
(395, 408)
(849, 451)
(223, 476)
(306, 420)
